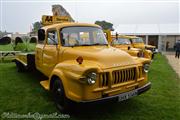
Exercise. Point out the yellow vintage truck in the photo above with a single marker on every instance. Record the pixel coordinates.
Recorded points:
(84, 69)
(122, 42)
(137, 42)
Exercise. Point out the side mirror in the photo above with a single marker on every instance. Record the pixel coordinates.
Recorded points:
(41, 34)
(131, 41)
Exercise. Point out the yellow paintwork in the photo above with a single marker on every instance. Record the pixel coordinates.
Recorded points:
(22, 57)
(49, 20)
(139, 45)
(132, 51)
(45, 84)
(150, 46)
(59, 61)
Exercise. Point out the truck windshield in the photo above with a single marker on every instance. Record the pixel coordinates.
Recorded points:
(82, 36)
(121, 41)
(137, 40)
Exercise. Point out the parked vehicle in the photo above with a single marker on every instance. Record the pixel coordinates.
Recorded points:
(81, 67)
(122, 42)
(137, 42)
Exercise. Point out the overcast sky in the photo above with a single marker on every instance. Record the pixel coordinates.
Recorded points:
(18, 15)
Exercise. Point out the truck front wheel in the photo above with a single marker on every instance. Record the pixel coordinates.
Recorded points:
(59, 96)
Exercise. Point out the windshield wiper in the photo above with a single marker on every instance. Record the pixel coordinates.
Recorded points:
(73, 45)
(99, 44)
(86, 45)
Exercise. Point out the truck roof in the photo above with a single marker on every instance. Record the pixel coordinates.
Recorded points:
(120, 36)
(125, 36)
(132, 37)
(66, 24)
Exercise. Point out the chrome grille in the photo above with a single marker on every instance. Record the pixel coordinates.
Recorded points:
(104, 78)
(120, 76)
(140, 71)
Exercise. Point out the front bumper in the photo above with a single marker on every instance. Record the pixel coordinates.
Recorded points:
(122, 95)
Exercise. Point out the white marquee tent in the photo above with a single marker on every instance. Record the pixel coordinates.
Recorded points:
(148, 29)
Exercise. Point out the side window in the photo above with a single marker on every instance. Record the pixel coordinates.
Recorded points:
(52, 38)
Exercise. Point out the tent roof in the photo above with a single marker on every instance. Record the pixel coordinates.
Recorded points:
(148, 29)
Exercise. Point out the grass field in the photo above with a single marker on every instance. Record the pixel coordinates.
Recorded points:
(8, 47)
(21, 93)
(19, 47)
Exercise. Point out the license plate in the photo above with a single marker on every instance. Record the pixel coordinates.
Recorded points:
(127, 95)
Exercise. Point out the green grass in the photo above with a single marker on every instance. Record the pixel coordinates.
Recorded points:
(25, 47)
(29, 47)
(19, 47)
(22, 93)
(8, 47)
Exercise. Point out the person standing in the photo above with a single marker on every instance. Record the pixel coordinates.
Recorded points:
(177, 48)
(167, 45)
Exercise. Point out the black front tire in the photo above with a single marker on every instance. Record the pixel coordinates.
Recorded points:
(59, 97)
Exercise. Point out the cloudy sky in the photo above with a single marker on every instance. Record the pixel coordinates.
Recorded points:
(18, 15)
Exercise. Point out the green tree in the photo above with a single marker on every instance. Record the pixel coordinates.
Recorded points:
(36, 26)
(105, 25)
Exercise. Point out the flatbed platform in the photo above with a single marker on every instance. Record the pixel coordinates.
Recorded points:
(4, 54)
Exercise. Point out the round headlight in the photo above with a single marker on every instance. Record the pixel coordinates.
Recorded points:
(146, 68)
(140, 54)
(91, 78)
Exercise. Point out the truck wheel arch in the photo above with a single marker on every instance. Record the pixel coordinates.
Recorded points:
(64, 105)
(53, 78)
(57, 73)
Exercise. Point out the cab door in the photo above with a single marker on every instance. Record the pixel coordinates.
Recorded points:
(50, 52)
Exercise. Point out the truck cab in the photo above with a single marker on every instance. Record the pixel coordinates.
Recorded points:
(81, 67)
(138, 42)
(123, 42)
